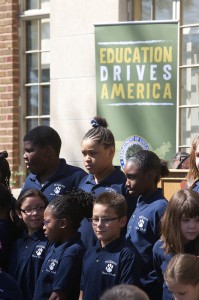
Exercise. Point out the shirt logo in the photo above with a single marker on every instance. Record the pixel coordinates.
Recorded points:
(57, 190)
(109, 268)
(142, 223)
(52, 265)
(39, 251)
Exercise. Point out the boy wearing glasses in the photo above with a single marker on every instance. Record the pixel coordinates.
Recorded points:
(113, 260)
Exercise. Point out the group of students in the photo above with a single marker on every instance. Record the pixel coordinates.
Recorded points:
(86, 233)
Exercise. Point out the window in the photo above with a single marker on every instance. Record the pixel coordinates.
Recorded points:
(35, 23)
(186, 12)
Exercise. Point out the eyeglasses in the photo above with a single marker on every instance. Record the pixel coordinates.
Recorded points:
(29, 211)
(104, 221)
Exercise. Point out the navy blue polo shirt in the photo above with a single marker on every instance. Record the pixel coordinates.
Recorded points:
(116, 263)
(6, 239)
(61, 271)
(143, 230)
(161, 260)
(195, 186)
(64, 179)
(115, 182)
(9, 289)
(26, 259)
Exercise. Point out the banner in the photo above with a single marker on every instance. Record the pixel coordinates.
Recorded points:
(136, 83)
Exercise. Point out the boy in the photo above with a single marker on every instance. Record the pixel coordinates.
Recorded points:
(49, 174)
(113, 260)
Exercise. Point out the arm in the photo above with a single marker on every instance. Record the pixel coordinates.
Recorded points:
(58, 295)
(81, 295)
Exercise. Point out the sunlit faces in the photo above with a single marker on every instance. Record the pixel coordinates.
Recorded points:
(32, 213)
(197, 156)
(184, 291)
(107, 226)
(35, 157)
(137, 182)
(189, 228)
(97, 158)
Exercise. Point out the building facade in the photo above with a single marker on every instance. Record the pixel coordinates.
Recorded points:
(47, 71)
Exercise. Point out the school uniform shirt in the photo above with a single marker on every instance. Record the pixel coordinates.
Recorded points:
(9, 289)
(6, 239)
(195, 186)
(61, 271)
(64, 179)
(161, 260)
(26, 259)
(116, 263)
(143, 230)
(115, 182)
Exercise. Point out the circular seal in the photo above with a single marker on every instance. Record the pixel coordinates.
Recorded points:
(130, 146)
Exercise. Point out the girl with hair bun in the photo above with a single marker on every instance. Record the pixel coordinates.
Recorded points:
(98, 149)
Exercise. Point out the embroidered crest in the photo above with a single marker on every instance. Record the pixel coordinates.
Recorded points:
(109, 268)
(57, 190)
(39, 251)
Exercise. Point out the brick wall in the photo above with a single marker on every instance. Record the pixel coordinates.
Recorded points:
(9, 81)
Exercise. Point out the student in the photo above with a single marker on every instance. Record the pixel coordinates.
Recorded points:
(28, 252)
(179, 232)
(112, 260)
(193, 174)
(182, 277)
(124, 292)
(5, 173)
(9, 289)
(7, 227)
(49, 173)
(180, 160)
(143, 172)
(98, 149)
(60, 274)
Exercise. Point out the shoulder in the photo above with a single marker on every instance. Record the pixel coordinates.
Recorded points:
(157, 248)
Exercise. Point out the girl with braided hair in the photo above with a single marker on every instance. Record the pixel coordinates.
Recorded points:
(61, 271)
(98, 149)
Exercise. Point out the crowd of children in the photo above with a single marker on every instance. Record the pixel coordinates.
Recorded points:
(101, 235)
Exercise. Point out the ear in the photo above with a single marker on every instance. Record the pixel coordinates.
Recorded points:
(150, 176)
(123, 221)
(48, 151)
(64, 223)
(19, 214)
(111, 152)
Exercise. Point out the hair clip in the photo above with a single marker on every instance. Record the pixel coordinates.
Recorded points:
(94, 123)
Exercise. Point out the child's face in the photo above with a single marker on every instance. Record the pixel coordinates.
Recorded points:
(106, 224)
(52, 226)
(197, 156)
(96, 157)
(32, 213)
(138, 183)
(35, 158)
(189, 228)
(184, 291)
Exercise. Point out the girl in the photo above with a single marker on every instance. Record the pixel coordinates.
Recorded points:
(143, 171)
(98, 149)
(193, 174)
(179, 232)
(60, 273)
(29, 251)
(182, 277)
